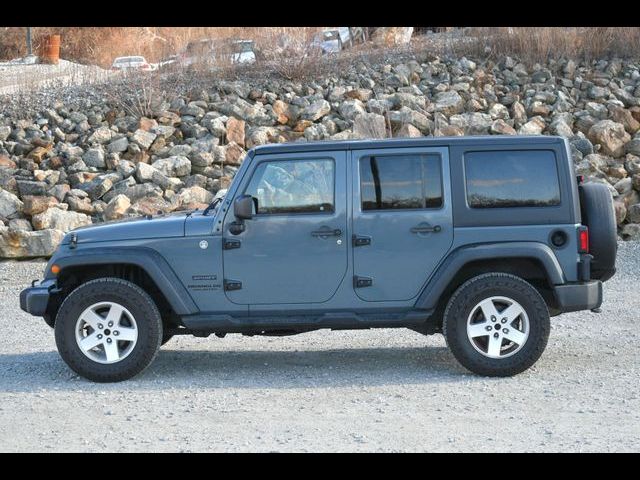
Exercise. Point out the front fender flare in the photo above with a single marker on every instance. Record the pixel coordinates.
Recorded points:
(457, 259)
(147, 259)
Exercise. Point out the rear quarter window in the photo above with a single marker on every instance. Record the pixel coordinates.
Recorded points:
(511, 178)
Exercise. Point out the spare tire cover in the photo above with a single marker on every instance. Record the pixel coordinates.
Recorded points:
(598, 214)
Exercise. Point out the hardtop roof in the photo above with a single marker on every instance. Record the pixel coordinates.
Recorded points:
(292, 147)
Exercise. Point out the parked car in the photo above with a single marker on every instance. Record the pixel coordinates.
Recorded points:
(131, 63)
(481, 239)
(332, 40)
(214, 52)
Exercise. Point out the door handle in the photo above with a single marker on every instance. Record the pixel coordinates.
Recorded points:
(327, 233)
(434, 229)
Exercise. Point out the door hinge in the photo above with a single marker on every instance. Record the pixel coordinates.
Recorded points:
(232, 285)
(360, 282)
(361, 240)
(230, 244)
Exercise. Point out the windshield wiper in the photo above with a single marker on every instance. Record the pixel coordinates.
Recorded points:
(212, 205)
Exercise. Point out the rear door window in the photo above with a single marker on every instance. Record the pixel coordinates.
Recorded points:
(400, 182)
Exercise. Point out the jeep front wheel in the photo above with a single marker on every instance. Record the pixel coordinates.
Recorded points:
(108, 330)
(496, 324)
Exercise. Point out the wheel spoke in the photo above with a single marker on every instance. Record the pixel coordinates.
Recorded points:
(111, 350)
(478, 330)
(512, 312)
(90, 341)
(516, 336)
(494, 346)
(488, 309)
(115, 314)
(92, 318)
(128, 334)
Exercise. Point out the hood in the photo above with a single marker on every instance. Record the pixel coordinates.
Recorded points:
(162, 226)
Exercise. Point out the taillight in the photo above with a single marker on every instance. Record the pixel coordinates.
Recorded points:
(583, 239)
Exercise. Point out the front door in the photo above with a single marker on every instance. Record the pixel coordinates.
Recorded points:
(402, 220)
(293, 250)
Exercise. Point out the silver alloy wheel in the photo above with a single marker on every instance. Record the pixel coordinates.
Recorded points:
(498, 327)
(106, 332)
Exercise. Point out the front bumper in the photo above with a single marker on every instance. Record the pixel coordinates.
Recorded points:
(579, 296)
(34, 300)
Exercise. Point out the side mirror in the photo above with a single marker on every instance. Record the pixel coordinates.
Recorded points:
(243, 207)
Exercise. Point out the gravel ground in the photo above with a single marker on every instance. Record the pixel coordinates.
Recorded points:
(378, 390)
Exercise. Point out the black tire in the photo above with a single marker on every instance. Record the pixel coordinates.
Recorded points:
(596, 207)
(136, 301)
(468, 296)
(165, 338)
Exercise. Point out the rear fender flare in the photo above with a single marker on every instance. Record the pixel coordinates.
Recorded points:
(457, 259)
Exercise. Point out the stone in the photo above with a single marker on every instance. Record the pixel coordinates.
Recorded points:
(118, 146)
(148, 173)
(101, 135)
(499, 111)
(234, 154)
(350, 109)
(80, 204)
(195, 194)
(117, 207)
(631, 231)
(143, 138)
(5, 131)
(97, 187)
(6, 162)
(620, 115)
(282, 112)
(611, 136)
(235, 131)
(20, 224)
(58, 219)
(535, 126)
(633, 213)
(633, 147)
(150, 206)
(10, 204)
(27, 244)
(500, 127)
(408, 131)
(94, 157)
(316, 110)
(175, 166)
(620, 210)
(449, 103)
(472, 123)
(372, 125)
(37, 204)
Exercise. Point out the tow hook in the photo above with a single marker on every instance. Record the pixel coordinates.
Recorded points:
(596, 310)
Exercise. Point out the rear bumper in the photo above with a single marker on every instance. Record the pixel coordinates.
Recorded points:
(579, 296)
(34, 299)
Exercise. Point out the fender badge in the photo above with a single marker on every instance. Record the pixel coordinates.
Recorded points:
(204, 244)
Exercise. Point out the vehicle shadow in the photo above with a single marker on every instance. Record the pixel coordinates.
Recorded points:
(249, 369)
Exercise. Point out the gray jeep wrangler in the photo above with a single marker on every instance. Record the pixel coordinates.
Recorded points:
(481, 239)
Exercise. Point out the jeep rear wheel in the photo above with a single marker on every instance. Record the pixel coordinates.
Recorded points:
(108, 330)
(496, 324)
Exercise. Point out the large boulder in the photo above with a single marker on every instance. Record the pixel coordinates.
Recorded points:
(316, 110)
(448, 103)
(58, 219)
(117, 207)
(29, 244)
(611, 136)
(176, 166)
(10, 205)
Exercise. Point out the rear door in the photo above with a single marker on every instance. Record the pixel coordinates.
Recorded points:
(402, 220)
